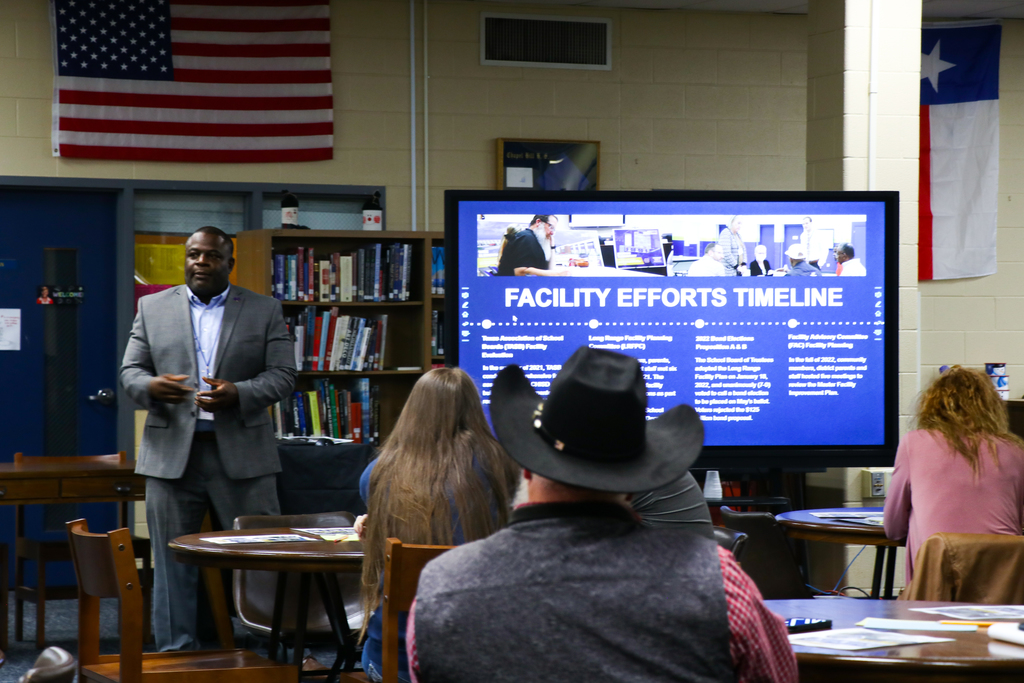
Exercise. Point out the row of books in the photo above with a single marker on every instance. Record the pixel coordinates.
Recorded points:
(327, 410)
(437, 333)
(326, 341)
(437, 270)
(376, 272)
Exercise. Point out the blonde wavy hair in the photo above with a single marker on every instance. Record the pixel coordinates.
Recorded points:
(964, 407)
(441, 454)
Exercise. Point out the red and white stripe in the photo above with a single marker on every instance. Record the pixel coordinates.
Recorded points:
(252, 84)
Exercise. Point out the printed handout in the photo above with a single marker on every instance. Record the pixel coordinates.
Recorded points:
(860, 639)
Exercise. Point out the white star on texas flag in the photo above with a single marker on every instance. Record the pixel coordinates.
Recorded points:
(932, 65)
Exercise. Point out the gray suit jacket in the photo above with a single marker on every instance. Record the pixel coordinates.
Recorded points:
(254, 352)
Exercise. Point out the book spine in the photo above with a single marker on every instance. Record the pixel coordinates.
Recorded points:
(300, 263)
(279, 276)
(345, 280)
(335, 267)
(346, 402)
(364, 394)
(311, 284)
(433, 270)
(325, 280)
(433, 333)
(357, 345)
(314, 410)
(440, 270)
(376, 272)
(300, 412)
(358, 274)
(357, 423)
(375, 413)
(310, 337)
(440, 333)
(383, 341)
(407, 274)
(321, 356)
(299, 341)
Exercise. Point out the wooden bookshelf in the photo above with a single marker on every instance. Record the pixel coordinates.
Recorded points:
(408, 328)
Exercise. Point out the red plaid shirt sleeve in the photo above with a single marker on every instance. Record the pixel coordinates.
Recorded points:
(758, 640)
(410, 643)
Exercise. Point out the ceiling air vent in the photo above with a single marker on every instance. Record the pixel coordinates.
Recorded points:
(546, 41)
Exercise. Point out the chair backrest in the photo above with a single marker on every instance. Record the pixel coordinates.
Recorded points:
(105, 567)
(402, 566)
(254, 591)
(767, 558)
(978, 568)
(54, 665)
(733, 541)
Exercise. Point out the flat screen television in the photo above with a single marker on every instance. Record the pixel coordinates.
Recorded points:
(795, 368)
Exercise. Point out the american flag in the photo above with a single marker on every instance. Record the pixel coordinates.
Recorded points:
(193, 80)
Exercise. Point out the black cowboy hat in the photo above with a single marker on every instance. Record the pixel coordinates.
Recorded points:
(592, 431)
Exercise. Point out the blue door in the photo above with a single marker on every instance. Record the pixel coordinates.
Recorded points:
(62, 240)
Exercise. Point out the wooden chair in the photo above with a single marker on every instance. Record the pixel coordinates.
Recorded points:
(105, 566)
(43, 552)
(402, 567)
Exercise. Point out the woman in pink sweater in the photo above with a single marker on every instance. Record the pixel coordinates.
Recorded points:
(961, 471)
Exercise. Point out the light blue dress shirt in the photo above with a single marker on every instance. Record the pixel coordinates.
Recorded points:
(206, 322)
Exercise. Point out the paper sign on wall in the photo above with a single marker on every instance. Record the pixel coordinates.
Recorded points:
(10, 329)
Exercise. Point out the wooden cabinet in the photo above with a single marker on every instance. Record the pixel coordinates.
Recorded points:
(408, 336)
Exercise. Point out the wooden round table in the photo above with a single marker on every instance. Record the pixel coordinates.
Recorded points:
(804, 525)
(969, 657)
(313, 556)
(312, 559)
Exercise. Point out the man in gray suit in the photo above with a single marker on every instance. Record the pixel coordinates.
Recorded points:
(228, 349)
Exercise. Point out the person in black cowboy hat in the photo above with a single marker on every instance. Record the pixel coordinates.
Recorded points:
(575, 588)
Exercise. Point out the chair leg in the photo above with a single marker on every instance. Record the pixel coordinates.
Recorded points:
(41, 604)
(19, 604)
(147, 600)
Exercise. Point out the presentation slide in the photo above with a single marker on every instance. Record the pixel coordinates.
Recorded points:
(788, 349)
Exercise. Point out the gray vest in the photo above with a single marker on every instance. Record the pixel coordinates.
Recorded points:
(575, 592)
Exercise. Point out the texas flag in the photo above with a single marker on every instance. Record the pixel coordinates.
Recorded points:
(959, 150)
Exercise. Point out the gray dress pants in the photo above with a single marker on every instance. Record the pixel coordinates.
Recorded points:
(176, 507)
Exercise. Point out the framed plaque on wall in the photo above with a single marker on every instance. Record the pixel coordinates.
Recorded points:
(548, 164)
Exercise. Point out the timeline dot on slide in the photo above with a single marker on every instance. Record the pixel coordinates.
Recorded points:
(792, 323)
(699, 323)
(594, 324)
(487, 324)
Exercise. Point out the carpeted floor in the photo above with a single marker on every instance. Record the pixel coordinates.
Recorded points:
(62, 631)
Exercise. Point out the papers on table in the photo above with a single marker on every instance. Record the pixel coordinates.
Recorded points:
(839, 514)
(860, 639)
(913, 625)
(336, 534)
(976, 612)
(857, 517)
(263, 538)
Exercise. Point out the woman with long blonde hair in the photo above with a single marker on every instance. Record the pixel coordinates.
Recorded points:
(441, 479)
(961, 470)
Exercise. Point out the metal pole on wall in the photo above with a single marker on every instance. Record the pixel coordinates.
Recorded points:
(426, 129)
(412, 110)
